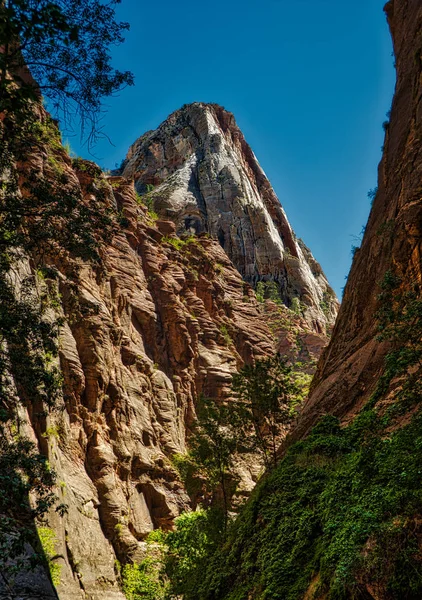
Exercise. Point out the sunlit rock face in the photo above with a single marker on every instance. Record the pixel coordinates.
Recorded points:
(142, 338)
(205, 177)
(157, 324)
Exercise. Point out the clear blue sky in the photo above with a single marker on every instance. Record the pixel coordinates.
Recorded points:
(309, 82)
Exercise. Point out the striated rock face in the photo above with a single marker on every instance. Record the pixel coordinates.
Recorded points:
(352, 363)
(161, 322)
(206, 178)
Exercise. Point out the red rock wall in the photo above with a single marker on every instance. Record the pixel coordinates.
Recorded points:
(144, 336)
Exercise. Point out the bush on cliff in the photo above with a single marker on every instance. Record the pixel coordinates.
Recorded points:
(343, 509)
(342, 512)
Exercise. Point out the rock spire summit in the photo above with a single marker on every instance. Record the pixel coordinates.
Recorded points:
(199, 171)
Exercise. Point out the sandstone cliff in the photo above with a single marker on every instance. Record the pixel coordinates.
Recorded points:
(162, 320)
(205, 177)
(143, 339)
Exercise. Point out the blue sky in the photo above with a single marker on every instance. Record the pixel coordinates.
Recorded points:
(309, 82)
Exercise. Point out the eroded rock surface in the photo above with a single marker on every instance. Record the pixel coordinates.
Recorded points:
(163, 319)
(205, 177)
(158, 324)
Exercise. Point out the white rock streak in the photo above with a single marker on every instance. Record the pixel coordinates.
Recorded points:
(207, 178)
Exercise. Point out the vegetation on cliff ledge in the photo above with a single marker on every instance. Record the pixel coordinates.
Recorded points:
(341, 507)
(341, 513)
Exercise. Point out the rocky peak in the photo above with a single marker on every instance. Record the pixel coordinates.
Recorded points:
(205, 177)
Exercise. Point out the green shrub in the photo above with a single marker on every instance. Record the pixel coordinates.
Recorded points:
(327, 297)
(303, 382)
(196, 536)
(295, 306)
(47, 133)
(174, 241)
(153, 215)
(48, 542)
(260, 291)
(142, 581)
(179, 243)
(188, 471)
(268, 290)
(226, 335)
(148, 201)
(157, 536)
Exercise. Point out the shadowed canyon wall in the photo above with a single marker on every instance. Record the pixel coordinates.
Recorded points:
(352, 363)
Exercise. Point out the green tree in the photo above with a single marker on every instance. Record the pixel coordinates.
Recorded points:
(196, 537)
(60, 49)
(266, 394)
(142, 581)
(273, 292)
(207, 469)
(212, 449)
(260, 291)
(268, 289)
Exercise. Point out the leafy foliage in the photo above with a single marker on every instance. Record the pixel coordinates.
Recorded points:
(65, 45)
(146, 199)
(178, 243)
(400, 324)
(342, 504)
(197, 535)
(325, 304)
(22, 470)
(400, 320)
(295, 306)
(342, 511)
(212, 449)
(226, 334)
(48, 541)
(268, 290)
(142, 581)
(265, 396)
(302, 381)
(266, 393)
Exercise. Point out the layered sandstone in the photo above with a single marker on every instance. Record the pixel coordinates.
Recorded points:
(165, 318)
(205, 177)
(160, 323)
